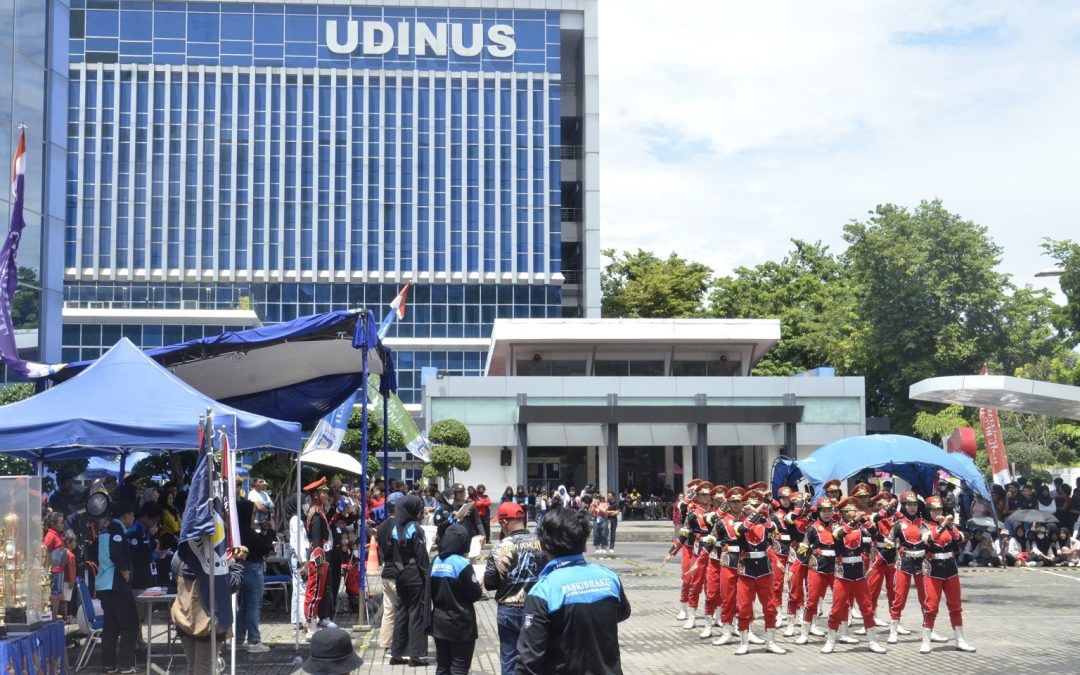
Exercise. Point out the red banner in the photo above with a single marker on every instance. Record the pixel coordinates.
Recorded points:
(995, 447)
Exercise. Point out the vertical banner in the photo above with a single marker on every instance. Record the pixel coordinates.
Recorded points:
(330, 430)
(228, 473)
(399, 419)
(995, 447)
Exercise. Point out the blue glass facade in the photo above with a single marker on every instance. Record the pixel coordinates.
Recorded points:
(313, 157)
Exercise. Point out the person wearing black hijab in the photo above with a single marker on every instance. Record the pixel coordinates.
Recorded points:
(408, 554)
(454, 589)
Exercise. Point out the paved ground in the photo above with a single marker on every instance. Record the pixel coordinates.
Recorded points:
(1020, 620)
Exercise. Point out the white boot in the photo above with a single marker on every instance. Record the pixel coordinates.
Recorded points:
(893, 625)
(716, 617)
(725, 635)
(691, 618)
(880, 623)
(871, 639)
(773, 648)
(815, 631)
(312, 628)
(937, 637)
(681, 616)
(830, 643)
(706, 633)
(744, 643)
(900, 630)
(791, 624)
(961, 643)
(844, 638)
(924, 648)
(754, 640)
(804, 633)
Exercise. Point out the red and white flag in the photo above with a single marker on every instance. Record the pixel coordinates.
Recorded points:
(995, 446)
(397, 308)
(228, 476)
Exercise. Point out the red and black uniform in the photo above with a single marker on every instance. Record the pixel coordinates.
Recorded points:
(784, 539)
(321, 537)
(714, 570)
(942, 543)
(850, 584)
(883, 559)
(910, 556)
(725, 551)
(798, 520)
(755, 571)
(821, 547)
(696, 529)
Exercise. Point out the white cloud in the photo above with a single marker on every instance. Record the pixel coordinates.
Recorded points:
(728, 128)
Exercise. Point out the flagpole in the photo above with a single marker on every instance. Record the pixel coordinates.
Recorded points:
(233, 505)
(369, 316)
(296, 538)
(386, 434)
(208, 443)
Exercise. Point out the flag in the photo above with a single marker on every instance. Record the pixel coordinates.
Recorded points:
(995, 446)
(399, 418)
(397, 309)
(228, 474)
(330, 430)
(202, 537)
(9, 272)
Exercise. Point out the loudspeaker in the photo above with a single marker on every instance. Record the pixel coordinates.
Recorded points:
(505, 457)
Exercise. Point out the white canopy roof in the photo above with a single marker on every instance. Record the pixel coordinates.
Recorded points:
(1002, 393)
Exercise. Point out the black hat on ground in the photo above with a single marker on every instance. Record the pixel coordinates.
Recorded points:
(332, 653)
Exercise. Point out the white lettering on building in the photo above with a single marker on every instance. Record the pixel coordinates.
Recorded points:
(376, 38)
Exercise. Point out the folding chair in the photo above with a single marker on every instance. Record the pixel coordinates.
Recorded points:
(281, 583)
(90, 622)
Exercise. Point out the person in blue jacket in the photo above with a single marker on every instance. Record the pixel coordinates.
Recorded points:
(113, 585)
(454, 589)
(571, 615)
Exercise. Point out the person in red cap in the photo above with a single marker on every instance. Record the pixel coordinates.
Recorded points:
(755, 533)
(780, 510)
(725, 544)
(833, 492)
(798, 521)
(906, 536)
(682, 510)
(943, 540)
(850, 579)
(321, 537)
(697, 568)
(712, 561)
(821, 547)
(882, 556)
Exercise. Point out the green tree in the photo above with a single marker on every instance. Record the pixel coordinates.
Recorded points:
(928, 301)
(451, 440)
(1067, 318)
(641, 285)
(164, 464)
(807, 291)
(450, 432)
(27, 301)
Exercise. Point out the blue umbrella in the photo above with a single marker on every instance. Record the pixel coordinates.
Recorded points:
(911, 459)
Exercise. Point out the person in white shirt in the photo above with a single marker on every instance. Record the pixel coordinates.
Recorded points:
(297, 552)
(264, 505)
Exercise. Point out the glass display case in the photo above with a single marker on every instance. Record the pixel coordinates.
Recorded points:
(24, 593)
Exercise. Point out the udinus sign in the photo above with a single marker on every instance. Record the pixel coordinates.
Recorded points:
(376, 38)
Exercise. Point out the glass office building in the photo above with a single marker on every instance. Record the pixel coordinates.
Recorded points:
(33, 95)
(231, 163)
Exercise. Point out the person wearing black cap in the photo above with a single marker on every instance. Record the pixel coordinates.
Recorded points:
(113, 585)
(454, 590)
(332, 653)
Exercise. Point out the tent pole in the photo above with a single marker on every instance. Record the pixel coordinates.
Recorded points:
(363, 465)
(208, 443)
(296, 537)
(386, 436)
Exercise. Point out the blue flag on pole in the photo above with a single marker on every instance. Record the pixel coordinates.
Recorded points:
(203, 530)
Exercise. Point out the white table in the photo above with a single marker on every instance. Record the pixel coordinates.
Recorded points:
(153, 600)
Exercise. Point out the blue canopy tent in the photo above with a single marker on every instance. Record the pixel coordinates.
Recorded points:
(123, 403)
(911, 459)
(296, 371)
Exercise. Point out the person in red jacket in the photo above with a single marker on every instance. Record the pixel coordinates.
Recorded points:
(780, 508)
(798, 521)
(682, 539)
(726, 543)
(713, 589)
(943, 540)
(882, 556)
(755, 534)
(697, 529)
(821, 549)
(850, 584)
(906, 536)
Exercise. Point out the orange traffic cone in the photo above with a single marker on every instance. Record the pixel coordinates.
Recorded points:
(373, 567)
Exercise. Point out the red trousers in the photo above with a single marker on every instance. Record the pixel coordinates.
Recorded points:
(780, 565)
(316, 586)
(713, 586)
(817, 585)
(934, 588)
(882, 573)
(796, 587)
(760, 588)
(846, 592)
(687, 561)
(901, 585)
(729, 599)
(697, 579)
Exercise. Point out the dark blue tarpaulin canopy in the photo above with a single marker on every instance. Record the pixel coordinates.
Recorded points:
(912, 459)
(126, 402)
(296, 371)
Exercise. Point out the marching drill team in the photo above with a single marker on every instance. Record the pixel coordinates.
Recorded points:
(741, 548)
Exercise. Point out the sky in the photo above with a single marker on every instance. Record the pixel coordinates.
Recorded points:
(728, 128)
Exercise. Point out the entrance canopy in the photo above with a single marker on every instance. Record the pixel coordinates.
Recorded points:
(1001, 393)
(124, 402)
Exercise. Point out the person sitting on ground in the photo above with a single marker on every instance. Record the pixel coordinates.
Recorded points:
(565, 630)
(1016, 549)
(981, 550)
(1066, 549)
(454, 591)
(1045, 500)
(1039, 554)
(332, 653)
